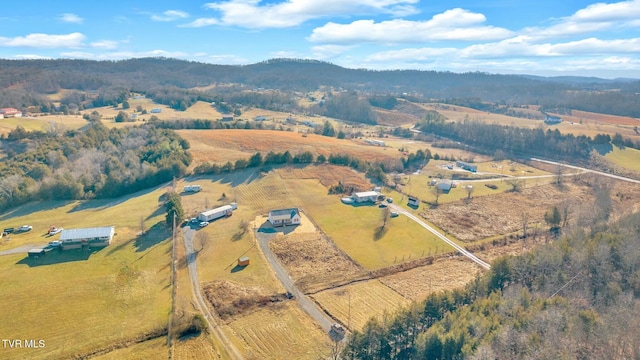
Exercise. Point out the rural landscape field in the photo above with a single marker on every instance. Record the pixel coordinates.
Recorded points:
(381, 218)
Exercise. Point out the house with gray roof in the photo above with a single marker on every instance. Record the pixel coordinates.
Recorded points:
(283, 217)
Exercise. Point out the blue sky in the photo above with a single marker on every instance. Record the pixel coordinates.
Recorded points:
(541, 37)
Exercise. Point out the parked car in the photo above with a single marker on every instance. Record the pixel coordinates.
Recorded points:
(25, 228)
(55, 230)
(394, 214)
(55, 244)
(389, 200)
(203, 224)
(383, 205)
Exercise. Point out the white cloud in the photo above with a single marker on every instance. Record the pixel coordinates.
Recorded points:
(72, 40)
(609, 12)
(251, 14)
(201, 22)
(71, 18)
(31, 57)
(120, 55)
(328, 51)
(170, 15)
(455, 24)
(105, 44)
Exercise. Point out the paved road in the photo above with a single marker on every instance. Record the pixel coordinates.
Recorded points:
(192, 266)
(460, 249)
(281, 273)
(22, 248)
(588, 170)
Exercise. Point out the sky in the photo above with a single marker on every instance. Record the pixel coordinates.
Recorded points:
(537, 37)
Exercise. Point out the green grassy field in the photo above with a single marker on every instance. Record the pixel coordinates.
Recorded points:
(81, 302)
(627, 158)
(355, 229)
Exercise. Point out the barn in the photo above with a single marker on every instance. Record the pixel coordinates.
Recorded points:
(365, 196)
(284, 217)
(467, 166)
(87, 237)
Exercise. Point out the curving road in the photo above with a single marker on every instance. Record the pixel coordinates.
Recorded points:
(196, 291)
(281, 273)
(588, 170)
(459, 248)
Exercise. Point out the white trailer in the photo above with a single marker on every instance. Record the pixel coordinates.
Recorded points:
(192, 188)
(217, 213)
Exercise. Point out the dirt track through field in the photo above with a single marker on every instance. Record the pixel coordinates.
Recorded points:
(192, 267)
(281, 273)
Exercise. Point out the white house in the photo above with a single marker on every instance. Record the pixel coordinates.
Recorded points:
(10, 112)
(365, 196)
(284, 217)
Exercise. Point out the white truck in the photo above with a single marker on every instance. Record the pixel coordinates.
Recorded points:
(217, 213)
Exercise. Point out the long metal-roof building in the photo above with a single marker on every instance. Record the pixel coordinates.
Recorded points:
(87, 237)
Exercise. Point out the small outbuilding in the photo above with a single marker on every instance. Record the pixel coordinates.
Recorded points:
(445, 185)
(365, 196)
(284, 217)
(243, 261)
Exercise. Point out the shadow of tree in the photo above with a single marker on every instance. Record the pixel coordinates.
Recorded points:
(380, 232)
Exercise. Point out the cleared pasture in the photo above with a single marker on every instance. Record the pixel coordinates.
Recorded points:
(356, 229)
(220, 146)
(627, 158)
(353, 305)
(82, 302)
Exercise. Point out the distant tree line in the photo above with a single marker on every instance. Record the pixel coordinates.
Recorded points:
(96, 163)
(514, 141)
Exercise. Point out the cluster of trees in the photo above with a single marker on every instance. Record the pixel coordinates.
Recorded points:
(514, 141)
(348, 107)
(375, 171)
(576, 298)
(96, 163)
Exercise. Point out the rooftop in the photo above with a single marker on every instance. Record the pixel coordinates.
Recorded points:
(87, 233)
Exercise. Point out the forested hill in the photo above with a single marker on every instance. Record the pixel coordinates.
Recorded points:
(21, 79)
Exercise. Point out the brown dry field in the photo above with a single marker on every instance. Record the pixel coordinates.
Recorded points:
(354, 304)
(444, 274)
(327, 175)
(220, 146)
(313, 262)
(394, 118)
(501, 214)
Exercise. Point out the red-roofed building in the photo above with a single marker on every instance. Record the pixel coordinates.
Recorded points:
(10, 112)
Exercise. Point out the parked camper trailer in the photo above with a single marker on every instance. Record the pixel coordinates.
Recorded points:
(192, 188)
(210, 215)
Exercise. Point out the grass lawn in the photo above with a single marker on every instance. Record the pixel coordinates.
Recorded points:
(354, 229)
(80, 302)
(627, 158)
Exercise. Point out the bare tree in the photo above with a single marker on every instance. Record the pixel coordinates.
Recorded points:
(516, 184)
(525, 222)
(202, 239)
(386, 214)
(142, 229)
(558, 173)
(436, 191)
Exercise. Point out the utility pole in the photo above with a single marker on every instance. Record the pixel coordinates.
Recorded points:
(173, 285)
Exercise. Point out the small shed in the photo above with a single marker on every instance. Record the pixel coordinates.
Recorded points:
(243, 261)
